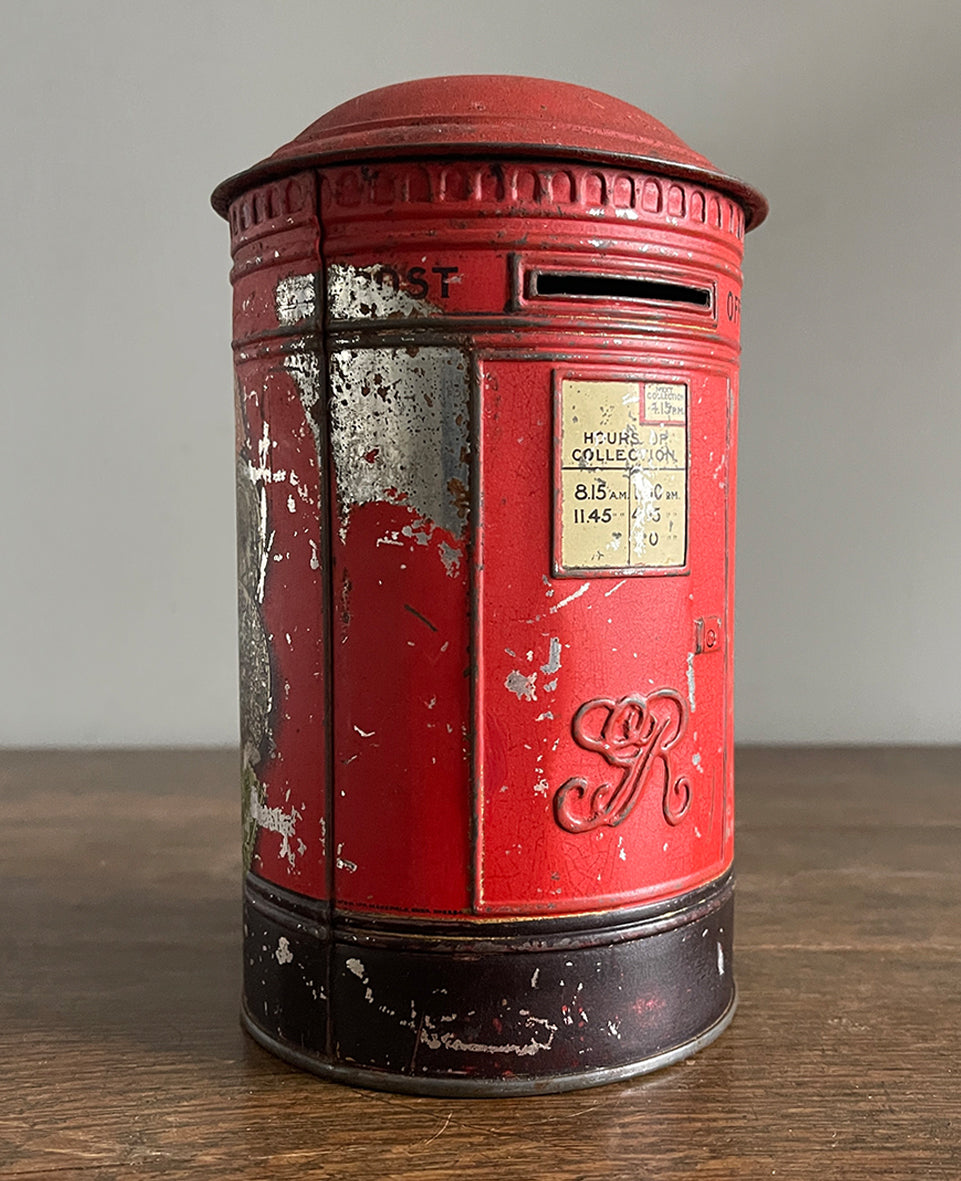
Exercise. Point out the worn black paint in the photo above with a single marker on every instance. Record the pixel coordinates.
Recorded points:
(410, 1001)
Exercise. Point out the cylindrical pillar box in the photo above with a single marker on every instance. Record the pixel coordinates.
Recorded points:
(486, 340)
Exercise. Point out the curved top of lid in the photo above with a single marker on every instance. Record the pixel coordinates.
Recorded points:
(482, 114)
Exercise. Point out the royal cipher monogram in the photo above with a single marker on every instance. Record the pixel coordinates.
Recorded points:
(634, 734)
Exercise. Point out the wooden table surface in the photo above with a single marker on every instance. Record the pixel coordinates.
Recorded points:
(121, 1054)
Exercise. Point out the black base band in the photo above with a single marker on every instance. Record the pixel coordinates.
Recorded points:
(487, 1007)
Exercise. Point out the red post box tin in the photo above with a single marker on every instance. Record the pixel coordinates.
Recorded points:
(486, 341)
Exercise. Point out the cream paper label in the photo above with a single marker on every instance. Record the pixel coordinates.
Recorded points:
(623, 474)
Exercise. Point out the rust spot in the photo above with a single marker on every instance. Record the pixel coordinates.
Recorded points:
(371, 455)
(460, 496)
(345, 600)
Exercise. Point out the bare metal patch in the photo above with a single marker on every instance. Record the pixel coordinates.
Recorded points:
(358, 969)
(523, 687)
(451, 558)
(435, 1039)
(254, 541)
(308, 376)
(370, 293)
(294, 299)
(554, 659)
(278, 821)
(304, 368)
(253, 549)
(399, 431)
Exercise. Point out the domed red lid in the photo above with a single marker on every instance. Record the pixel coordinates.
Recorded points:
(487, 114)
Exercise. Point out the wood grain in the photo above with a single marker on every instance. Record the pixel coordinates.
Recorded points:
(119, 977)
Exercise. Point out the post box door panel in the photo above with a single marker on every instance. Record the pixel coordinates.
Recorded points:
(603, 634)
(399, 426)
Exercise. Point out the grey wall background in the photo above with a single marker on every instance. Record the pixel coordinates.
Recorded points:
(117, 595)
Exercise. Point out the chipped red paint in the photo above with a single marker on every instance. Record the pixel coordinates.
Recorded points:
(487, 380)
(283, 594)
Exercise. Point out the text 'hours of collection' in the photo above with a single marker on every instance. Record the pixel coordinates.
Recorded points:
(623, 475)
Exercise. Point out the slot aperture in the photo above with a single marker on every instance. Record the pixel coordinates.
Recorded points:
(579, 285)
